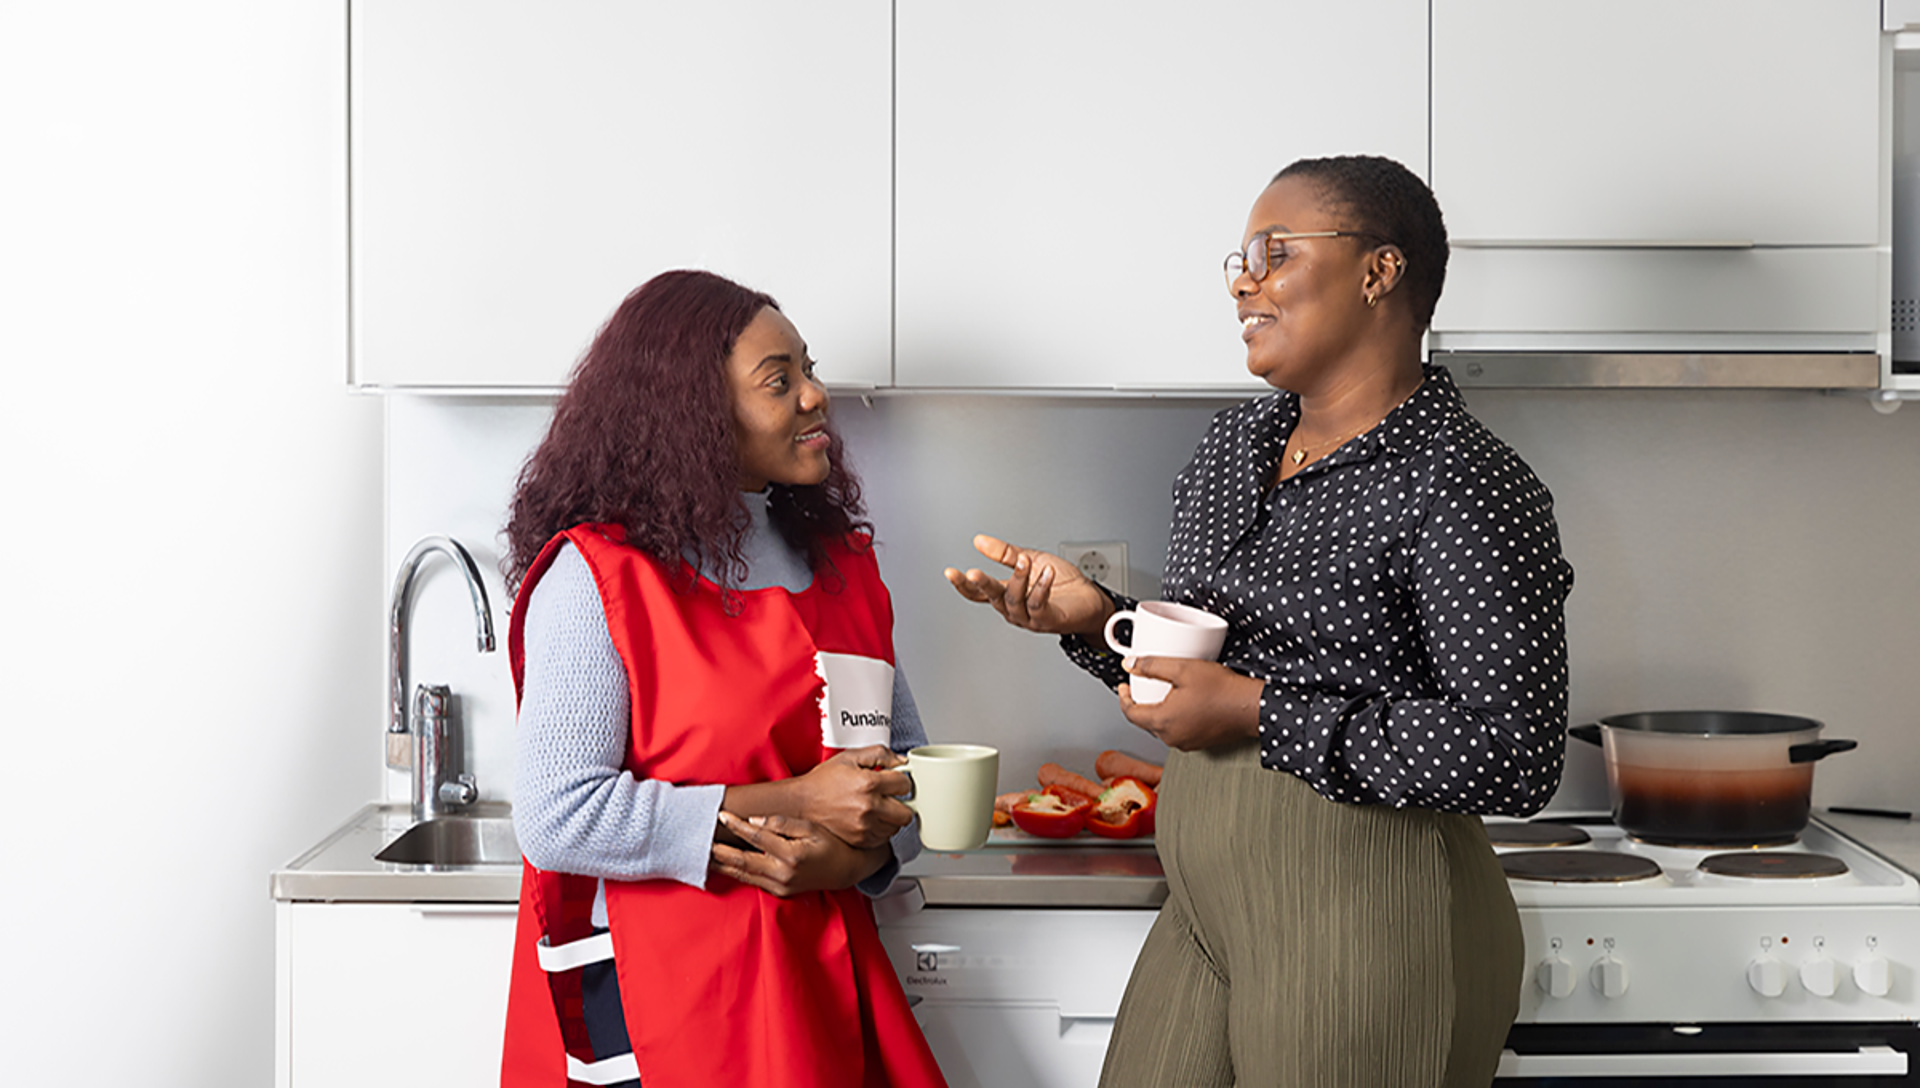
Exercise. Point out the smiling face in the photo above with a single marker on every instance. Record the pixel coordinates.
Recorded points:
(779, 410)
(1303, 318)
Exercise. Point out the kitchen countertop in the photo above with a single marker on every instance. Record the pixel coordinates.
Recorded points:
(341, 868)
(1011, 871)
(1897, 840)
(1008, 872)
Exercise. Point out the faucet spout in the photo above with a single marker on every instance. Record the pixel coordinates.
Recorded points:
(402, 604)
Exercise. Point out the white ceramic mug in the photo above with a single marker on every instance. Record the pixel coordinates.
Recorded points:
(1166, 629)
(953, 793)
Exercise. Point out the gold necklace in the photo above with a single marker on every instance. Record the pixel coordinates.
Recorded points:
(1300, 452)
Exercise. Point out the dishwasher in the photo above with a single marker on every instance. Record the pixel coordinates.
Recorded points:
(1015, 956)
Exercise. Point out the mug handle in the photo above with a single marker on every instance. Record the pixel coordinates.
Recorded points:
(913, 788)
(1107, 633)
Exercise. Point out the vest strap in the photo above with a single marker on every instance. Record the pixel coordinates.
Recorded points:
(574, 954)
(605, 1071)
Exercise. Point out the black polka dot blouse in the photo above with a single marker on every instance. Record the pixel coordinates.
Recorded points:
(1403, 598)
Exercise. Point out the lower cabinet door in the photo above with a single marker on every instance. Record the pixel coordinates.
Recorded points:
(1000, 1046)
(391, 993)
(1017, 998)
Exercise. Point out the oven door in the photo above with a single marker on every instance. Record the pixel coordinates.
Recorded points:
(1846, 1055)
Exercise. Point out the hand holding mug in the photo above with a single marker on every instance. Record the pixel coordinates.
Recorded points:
(854, 795)
(1209, 704)
(1166, 629)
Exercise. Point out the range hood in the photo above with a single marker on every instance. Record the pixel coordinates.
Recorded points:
(1661, 370)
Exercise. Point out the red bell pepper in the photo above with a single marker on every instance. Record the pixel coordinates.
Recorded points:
(1124, 810)
(1052, 813)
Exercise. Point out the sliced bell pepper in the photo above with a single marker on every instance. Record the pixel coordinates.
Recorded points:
(1070, 795)
(1052, 814)
(1124, 810)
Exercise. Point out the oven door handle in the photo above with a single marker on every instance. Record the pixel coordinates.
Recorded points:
(1868, 1061)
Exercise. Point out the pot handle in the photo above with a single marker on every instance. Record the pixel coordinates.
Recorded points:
(1819, 749)
(1589, 733)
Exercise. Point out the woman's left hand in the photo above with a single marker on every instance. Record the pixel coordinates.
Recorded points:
(1209, 705)
(793, 856)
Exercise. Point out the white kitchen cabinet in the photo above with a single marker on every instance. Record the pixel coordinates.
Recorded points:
(1071, 174)
(518, 168)
(1017, 996)
(1632, 172)
(400, 994)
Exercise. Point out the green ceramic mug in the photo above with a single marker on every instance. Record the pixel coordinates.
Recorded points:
(953, 793)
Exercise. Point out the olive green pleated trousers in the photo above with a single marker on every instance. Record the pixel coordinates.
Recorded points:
(1315, 944)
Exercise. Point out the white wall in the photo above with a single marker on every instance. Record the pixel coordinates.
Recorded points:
(192, 666)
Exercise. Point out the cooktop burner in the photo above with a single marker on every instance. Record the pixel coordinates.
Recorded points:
(1774, 866)
(1577, 866)
(1512, 833)
(1822, 869)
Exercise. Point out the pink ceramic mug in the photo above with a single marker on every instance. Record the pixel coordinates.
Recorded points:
(1166, 629)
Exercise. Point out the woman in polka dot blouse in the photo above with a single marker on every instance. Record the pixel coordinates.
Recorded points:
(1395, 668)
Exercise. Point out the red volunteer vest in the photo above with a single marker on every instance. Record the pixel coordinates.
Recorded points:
(727, 984)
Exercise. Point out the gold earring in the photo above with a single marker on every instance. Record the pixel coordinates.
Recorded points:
(1371, 299)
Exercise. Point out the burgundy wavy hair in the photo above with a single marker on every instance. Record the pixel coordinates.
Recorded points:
(644, 438)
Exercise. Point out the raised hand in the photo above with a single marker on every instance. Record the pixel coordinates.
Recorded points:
(1043, 593)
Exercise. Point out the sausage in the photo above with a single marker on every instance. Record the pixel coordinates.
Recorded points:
(1005, 802)
(1115, 764)
(1053, 774)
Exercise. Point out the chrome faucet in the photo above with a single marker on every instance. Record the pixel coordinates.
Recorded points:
(421, 742)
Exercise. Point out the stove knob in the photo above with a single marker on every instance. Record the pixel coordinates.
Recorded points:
(1609, 976)
(1555, 976)
(1767, 976)
(1820, 975)
(1874, 974)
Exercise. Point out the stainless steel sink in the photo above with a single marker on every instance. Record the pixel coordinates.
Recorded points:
(455, 841)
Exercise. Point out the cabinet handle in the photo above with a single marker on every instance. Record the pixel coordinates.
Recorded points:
(1866, 1061)
(430, 910)
(1601, 243)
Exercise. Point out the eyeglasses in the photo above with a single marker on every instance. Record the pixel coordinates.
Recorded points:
(1257, 259)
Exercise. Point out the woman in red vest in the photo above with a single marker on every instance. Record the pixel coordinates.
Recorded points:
(709, 714)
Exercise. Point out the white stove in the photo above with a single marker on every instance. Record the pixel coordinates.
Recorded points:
(1684, 944)
(1828, 933)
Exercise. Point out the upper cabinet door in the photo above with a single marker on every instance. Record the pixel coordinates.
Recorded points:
(1734, 145)
(1655, 120)
(518, 168)
(1071, 174)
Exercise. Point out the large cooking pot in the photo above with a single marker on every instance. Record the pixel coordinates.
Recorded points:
(1710, 777)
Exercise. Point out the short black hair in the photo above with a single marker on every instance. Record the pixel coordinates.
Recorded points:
(1385, 199)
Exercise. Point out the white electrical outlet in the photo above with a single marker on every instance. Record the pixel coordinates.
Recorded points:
(1104, 561)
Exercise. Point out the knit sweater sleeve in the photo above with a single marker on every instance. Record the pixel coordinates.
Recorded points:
(908, 733)
(576, 808)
